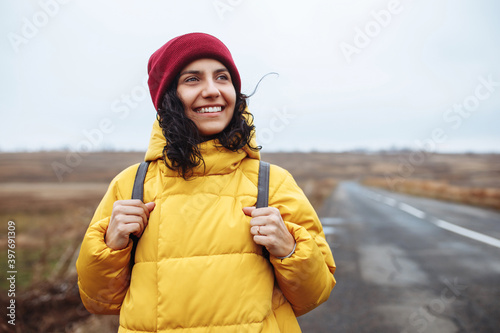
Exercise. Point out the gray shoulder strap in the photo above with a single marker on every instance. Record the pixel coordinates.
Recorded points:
(138, 193)
(263, 185)
(263, 193)
(138, 190)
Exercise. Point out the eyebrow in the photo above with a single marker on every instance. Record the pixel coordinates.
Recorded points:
(219, 70)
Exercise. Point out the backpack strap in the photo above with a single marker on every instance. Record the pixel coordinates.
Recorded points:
(263, 193)
(138, 193)
(263, 185)
(138, 190)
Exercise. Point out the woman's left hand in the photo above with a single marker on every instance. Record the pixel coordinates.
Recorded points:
(270, 231)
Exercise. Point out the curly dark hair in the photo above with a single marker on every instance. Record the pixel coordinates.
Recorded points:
(181, 152)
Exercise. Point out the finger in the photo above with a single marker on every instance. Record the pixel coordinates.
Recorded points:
(129, 202)
(130, 207)
(136, 229)
(257, 230)
(248, 210)
(137, 233)
(261, 220)
(260, 240)
(126, 229)
(264, 231)
(129, 219)
(254, 230)
(139, 208)
(150, 206)
(132, 211)
(265, 211)
(272, 219)
(147, 208)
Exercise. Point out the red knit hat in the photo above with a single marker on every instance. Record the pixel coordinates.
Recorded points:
(171, 58)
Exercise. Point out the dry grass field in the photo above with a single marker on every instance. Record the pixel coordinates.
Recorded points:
(52, 210)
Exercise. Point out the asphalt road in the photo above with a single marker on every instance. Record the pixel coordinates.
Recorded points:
(408, 264)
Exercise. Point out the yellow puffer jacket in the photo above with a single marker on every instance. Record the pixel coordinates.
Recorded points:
(197, 268)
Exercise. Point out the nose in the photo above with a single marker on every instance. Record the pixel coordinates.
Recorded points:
(210, 90)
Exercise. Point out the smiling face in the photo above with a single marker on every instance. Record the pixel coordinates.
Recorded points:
(208, 95)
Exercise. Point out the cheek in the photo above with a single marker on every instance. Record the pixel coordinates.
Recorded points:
(185, 100)
(230, 96)
(185, 95)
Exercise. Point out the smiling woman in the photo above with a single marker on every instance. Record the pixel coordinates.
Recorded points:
(207, 260)
(185, 76)
(208, 95)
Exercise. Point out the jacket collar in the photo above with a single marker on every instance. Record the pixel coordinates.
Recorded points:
(218, 160)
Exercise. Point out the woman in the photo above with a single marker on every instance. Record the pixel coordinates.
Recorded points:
(199, 264)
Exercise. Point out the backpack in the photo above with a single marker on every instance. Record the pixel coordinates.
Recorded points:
(262, 195)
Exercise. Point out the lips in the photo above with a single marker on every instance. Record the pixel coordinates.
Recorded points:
(209, 109)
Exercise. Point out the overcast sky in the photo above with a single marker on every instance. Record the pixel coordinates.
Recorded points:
(352, 74)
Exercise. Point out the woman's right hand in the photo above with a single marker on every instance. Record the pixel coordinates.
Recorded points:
(128, 217)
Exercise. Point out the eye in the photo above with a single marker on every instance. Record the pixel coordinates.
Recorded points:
(223, 77)
(191, 79)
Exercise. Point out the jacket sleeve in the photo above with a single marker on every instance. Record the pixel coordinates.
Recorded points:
(103, 273)
(306, 278)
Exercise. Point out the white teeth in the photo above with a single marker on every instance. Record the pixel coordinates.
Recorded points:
(210, 109)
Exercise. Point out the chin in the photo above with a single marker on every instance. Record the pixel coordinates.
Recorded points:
(209, 134)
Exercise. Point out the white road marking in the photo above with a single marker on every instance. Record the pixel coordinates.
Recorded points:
(373, 195)
(328, 230)
(412, 210)
(331, 220)
(468, 233)
(380, 198)
(390, 201)
(439, 223)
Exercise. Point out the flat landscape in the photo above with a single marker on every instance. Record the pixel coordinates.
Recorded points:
(51, 197)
